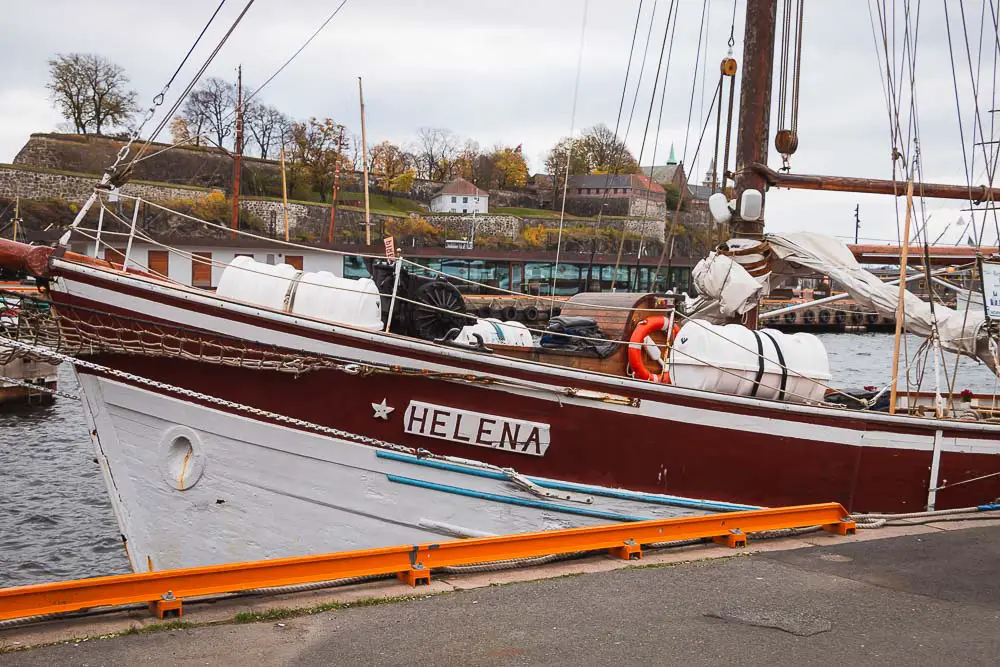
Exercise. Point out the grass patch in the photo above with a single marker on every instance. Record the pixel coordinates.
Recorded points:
(399, 206)
(153, 627)
(132, 630)
(280, 613)
(524, 212)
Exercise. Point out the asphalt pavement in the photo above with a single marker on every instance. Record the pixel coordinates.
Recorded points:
(924, 599)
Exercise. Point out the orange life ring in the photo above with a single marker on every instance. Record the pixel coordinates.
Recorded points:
(637, 345)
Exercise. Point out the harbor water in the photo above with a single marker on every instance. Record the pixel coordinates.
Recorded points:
(56, 521)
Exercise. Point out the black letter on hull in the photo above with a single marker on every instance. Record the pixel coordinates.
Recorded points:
(507, 436)
(413, 418)
(533, 437)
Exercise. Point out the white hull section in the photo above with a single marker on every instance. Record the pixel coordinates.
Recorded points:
(192, 486)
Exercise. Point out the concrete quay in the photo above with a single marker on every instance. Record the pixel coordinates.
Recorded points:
(916, 595)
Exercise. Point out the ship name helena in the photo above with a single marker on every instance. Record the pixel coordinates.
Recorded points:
(476, 428)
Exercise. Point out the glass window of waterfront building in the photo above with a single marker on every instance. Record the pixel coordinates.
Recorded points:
(354, 267)
(484, 276)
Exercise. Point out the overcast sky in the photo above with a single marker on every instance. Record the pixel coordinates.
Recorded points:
(504, 71)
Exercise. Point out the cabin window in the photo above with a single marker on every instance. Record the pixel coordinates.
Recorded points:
(158, 261)
(201, 269)
(294, 260)
(116, 255)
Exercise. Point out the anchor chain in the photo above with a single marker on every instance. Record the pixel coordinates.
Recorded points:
(206, 398)
(38, 387)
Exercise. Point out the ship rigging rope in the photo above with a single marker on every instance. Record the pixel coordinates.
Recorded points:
(910, 162)
(158, 100)
(249, 97)
(990, 161)
(977, 123)
(969, 165)
(206, 398)
(572, 128)
(619, 152)
(671, 23)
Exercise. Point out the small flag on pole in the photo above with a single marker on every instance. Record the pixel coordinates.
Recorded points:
(390, 249)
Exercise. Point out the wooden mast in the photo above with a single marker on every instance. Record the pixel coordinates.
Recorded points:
(284, 191)
(977, 193)
(754, 119)
(237, 166)
(904, 252)
(364, 154)
(755, 109)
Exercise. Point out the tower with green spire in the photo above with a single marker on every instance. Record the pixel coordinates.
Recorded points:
(672, 159)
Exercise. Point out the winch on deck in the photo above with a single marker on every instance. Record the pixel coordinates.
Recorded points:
(426, 308)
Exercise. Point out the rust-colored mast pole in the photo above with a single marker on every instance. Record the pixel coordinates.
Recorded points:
(755, 108)
(755, 116)
(237, 164)
(875, 186)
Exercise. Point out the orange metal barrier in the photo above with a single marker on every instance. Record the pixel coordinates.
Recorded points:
(412, 563)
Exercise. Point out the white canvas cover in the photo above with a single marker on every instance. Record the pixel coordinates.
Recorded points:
(721, 279)
(960, 331)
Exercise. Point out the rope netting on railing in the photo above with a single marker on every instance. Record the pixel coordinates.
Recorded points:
(81, 332)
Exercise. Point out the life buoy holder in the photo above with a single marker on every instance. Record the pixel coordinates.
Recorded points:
(638, 343)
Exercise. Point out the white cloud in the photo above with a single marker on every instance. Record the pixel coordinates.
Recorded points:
(23, 111)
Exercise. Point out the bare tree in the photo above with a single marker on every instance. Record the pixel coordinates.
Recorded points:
(436, 152)
(210, 109)
(265, 124)
(90, 91)
(605, 152)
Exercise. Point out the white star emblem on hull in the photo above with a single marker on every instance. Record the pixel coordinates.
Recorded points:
(381, 410)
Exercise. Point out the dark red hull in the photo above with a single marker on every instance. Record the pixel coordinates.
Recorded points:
(591, 442)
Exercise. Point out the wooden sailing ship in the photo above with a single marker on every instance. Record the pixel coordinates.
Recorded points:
(240, 428)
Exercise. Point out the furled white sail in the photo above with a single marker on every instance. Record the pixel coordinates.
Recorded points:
(960, 331)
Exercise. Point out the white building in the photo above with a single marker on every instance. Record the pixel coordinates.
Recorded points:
(460, 196)
(200, 262)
